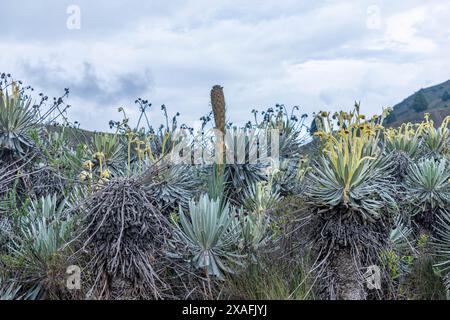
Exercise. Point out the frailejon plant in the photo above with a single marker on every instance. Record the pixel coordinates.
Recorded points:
(404, 143)
(51, 168)
(350, 168)
(173, 186)
(428, 184)
(292, 135)
(441, 243)
(8, 290)
(257, 221)
(107, 154)
(39, 249)
(404, 139)
(239, 173)
(397, 258)
(209, 237)
(99, 161)
(436, 141)
(289, 175)
(17, 117)
(350, 192)
(146, 146)
(290, 126)
(428, 190)
(401, 236)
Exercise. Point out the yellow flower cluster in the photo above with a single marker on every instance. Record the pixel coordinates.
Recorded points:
(88, 166)
(105, 174)
(406, 131)
(15, 92)
(100, 156)
(84, 175)
(142, 147)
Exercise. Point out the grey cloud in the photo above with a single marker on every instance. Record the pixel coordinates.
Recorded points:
(127, 86)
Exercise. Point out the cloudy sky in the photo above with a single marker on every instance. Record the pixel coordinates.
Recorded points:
(314, 54)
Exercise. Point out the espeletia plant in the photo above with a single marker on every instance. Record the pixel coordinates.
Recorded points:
(404, 143)
(17, 117)
(39, 250)
(8, 290)
(208, 238)
(427, 191)
(103, 158)
(292, 135)
(172, 185)
(235, 152)
(257, 220)
(436, 141)
(441, 244)
(240, 172)
(349, 196)
(398, 256)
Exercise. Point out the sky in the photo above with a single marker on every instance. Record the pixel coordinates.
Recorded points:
(318, 55)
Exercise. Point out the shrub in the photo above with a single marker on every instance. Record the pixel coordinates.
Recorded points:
(419, 102)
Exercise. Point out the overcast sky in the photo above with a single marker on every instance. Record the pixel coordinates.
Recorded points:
(314, 54)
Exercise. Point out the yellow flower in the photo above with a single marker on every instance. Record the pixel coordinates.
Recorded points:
(99, 155)
(320, 134)
(16, 90)
(88, 165)
(83, 175)
(105, 174)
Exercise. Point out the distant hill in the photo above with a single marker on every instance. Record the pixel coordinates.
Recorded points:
(76, 136)
(434, 100)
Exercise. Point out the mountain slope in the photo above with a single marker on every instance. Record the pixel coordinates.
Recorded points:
(409, 110)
